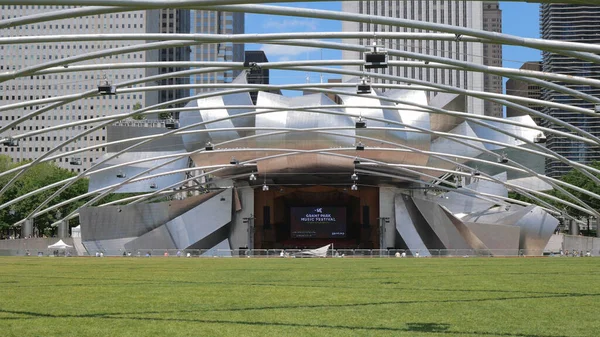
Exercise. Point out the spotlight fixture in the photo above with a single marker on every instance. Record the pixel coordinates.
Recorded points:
(234, 161)
(354, 176)
(153, 186)
(209, 146)
(476, 173)
(121, 175)
(539, 139)
(356, 161)
(503, 159)
(354, 187)
(363, 87)
(360, 146)
(106, 88)
(265, 187)
(252, 177)
(75, 161)
(361, 123)
(10, 142)
(171, 124)
(376, 59)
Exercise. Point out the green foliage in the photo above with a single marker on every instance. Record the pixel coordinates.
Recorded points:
(578, 179)
(426, 297)
(164, 115)
(37, 177)
(138, 117)
(575, 178)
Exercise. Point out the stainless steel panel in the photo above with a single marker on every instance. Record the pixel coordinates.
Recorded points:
(116, 222)
(496, 236)
(201, 221)
(406, 228)
(109, 177)
(444, 229)
(459, 203)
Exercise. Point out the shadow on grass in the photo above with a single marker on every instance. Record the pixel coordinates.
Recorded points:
(390, 285)
(304, 306)
(421, 327)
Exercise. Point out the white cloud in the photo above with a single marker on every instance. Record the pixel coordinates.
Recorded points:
(286, 24)
(274, 50)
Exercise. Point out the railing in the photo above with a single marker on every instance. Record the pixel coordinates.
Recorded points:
(293, 253)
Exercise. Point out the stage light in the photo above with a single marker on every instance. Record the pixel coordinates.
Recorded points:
(476, 173)
(10, 142)
(361, 123)
(356, 161)
(121, 175)
(252, 177)
(171, 124)
(265, 187)
(354, 187)
(234, 161)
(376, 59)
(153, 185)
(363, 87)
(209, 146)
(360, 146)
(354, 176)
(107, 89)
(539, 139)
(503, 159)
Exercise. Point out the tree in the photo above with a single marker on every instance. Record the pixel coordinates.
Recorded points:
(574, 178)
(138, 117)
(166, 115)
(37, 177)
(578, 179)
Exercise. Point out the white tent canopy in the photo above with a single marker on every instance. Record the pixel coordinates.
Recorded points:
(319, 252)
(59, 245)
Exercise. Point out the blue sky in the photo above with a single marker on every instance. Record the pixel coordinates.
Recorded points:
(520, 19)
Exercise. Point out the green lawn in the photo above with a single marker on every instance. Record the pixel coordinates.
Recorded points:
(526, 297)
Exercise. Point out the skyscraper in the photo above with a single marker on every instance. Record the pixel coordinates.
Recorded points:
(453, 12)
(216, 22)
(20, 56)
(492, 55)
(256, 76)
(174, 21)
(575, 23)
(524, 89)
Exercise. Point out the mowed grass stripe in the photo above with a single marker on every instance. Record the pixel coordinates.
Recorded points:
(298, 297)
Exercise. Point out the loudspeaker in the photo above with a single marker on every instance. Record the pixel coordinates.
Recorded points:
(365, 217)
(266, 217)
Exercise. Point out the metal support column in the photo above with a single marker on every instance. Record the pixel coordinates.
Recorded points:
(63, 229)
(27, 228)
(382, 242)
(250, 222)
(573, 227)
